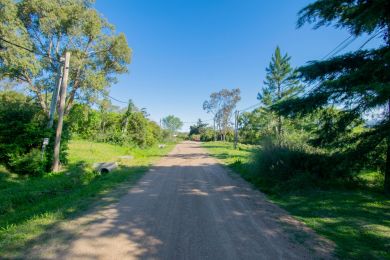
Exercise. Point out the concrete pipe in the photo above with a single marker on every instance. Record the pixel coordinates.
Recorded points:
(105, 167)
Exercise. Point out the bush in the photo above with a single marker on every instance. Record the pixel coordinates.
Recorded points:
(195, 137)
(289, 166)
(22, 129)
(27, 164)
(207, 135)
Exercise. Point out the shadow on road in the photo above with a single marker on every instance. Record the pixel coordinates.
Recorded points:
(185, 207)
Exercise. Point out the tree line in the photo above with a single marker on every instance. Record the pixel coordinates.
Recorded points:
(328, 119)
(34, 36)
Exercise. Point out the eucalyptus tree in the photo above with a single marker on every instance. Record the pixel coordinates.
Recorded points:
(43, 31)
(221, 104)
(172, 123)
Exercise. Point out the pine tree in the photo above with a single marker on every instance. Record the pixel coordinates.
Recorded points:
(358, 82)
(280, 84)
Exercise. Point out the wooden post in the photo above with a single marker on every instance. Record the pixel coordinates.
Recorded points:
(56, 92)
(61, 109)
(215, 133)
(236, 129)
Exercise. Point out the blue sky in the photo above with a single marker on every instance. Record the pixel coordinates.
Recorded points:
(185, 50)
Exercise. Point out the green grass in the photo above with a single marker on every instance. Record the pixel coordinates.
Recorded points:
(30, 206)
(357, 220)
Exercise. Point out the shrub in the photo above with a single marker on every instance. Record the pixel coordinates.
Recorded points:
(289, 166)
(207, 135)
(22, 129)
(195, 137)
(27, 164)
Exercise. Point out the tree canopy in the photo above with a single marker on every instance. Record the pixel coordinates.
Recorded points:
(281, 83)
(48, 28)
(172, 123)
(357, 82)
(221, 104)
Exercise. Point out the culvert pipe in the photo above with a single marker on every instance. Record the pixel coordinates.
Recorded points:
(105, 167)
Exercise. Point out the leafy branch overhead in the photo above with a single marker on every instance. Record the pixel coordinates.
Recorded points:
(357, 82)
(49, 28)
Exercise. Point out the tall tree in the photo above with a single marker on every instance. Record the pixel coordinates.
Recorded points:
(172, 123)
(255, 125)
(358, 82)
(221, 104)
(48, 28)
(198, 128)
(280, 83)
(211, 107)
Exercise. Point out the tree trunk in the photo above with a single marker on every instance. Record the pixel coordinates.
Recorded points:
(279, 116)
(215, 132)
(125, 125)
(57, 142)
(387, 170)
(280, 131)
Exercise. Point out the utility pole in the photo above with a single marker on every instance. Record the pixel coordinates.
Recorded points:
(56, 93)
(64, 85)
(236, 129)
(215, 133)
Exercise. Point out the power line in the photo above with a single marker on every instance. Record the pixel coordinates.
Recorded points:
(32, 51)
(25, 48)
(117, 100)
(17, 45)
(250, 107)
(345, 43)
(107, 95)
(369, 39)
(344, 46)
(335, 48)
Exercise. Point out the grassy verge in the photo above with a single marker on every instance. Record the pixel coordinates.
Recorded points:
(29, 206)
(357, 220)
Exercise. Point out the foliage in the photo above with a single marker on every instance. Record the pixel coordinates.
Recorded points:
(291, 167)
(138, 130)
(358, 17)
(281, 83)
(50, 28)
(172, 123)
(221, 105)
(22, 129)
(208, 134)
(27, 164)
(110, 124)
(358, 82)
(84, 121)
(198, 128)
(256, 125)
(201, 132)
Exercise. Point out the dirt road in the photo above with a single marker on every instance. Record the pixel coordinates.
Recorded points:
(187, 207)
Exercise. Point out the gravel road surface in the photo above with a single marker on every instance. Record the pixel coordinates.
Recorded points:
(187, 206)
